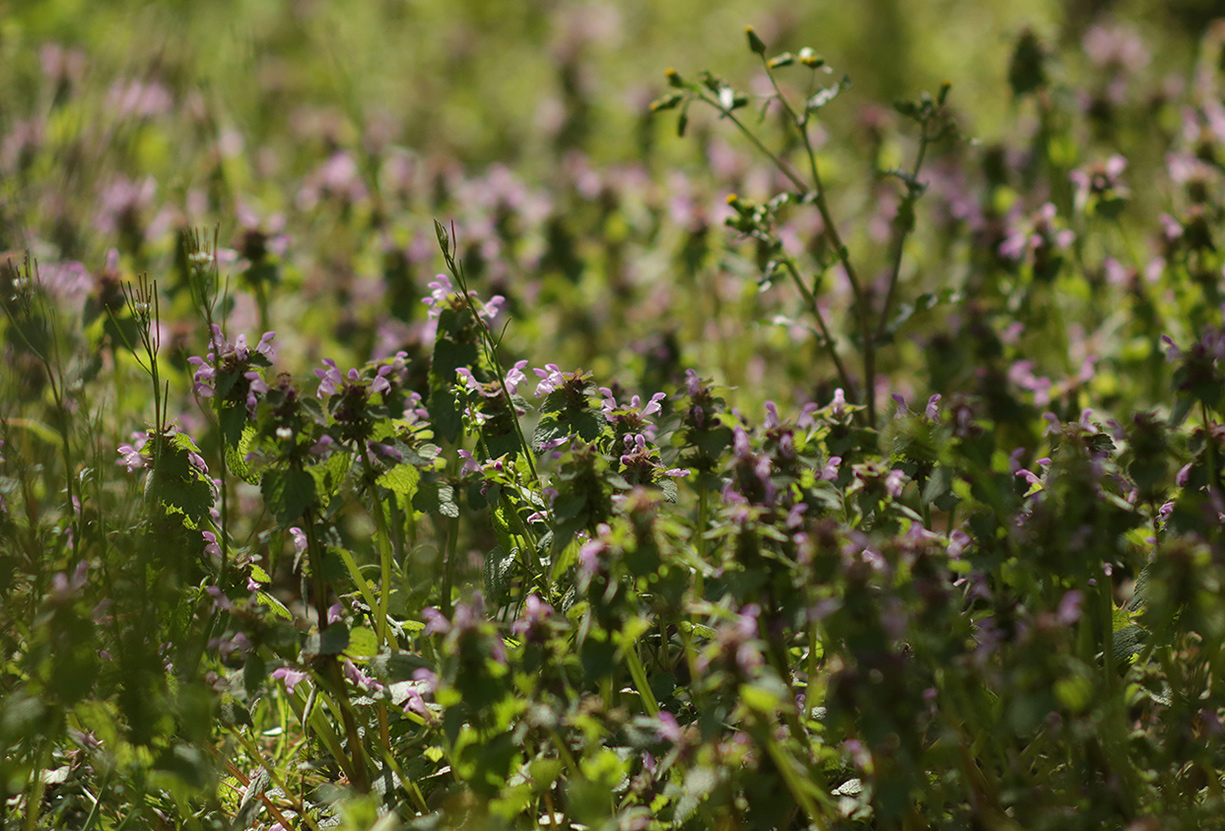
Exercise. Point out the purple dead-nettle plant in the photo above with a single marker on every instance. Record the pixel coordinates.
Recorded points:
(552, 379)
(751, 479)
(1039, 242)
(444, 294)
(356, 399)
(233, 371)
(131, 455)
(641, 463)
(534, 624)
(1100, 190)
(632, 418)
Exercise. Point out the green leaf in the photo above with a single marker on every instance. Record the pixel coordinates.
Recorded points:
(330, 474)
(233, 421)
(396, 666)
(363, 643)
(401, 479)
(499, 566)
(436, 499)
(449, 355)
(288, 493)
(277, 607)
(1128, 642)
(254, 673)
(332, 641)
(824, 96)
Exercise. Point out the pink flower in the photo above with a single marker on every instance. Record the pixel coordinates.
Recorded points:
(132, 458)
(838, 405)
(515, 376)
(551, 379)
(440, 289)
(291, 677)
(667, 727)
(830, 472)
(933, 407)
(330, 379)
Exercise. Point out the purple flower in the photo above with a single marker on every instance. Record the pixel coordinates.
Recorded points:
(299, 539)
(291, 677)
(219, 599)
(1116, 47)
(435, 622)
(131, 456)
(330, 379)
(933, 407)
(959, 541)
(1031, 477)
(139, 99)
(838, 405)
(667, 727)
(360, 679)
(1069, 607)
(551, 379)
(589, 553)
(236, 359)
(772, 420)
(427, 679)
(531, 624)
(471, 465)
(515, 376)
(440, 289)
(830, 472)
(894, 482)
(211, 548)
(902, 410)
(469, 380)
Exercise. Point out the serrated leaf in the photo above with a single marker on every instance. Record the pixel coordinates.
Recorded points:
(449, 355)
(277, 607)
(699, 782)
(499, 566)
(236, 455)
(667, 486)
(401, 479)
(396, 666)
(332, 641)
(254, 673)
(288, 493)
(363, 642)
(233, 420)
(436, 499)
(330, 474)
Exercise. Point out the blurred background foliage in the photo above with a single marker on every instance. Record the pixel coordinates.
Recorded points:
(486, 81)
(351, 126)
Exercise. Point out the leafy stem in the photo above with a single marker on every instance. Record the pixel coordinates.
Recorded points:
(489, 343)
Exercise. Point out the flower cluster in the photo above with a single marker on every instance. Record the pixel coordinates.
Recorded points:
(232, 371)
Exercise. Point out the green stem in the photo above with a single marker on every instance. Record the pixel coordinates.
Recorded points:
(488, 342)
(899, 245)
(817, 192)
(827, 338)
(448, 567)
(385, 563)
(638, 673)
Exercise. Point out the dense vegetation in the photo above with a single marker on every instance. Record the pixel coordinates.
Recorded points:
(512, 431)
